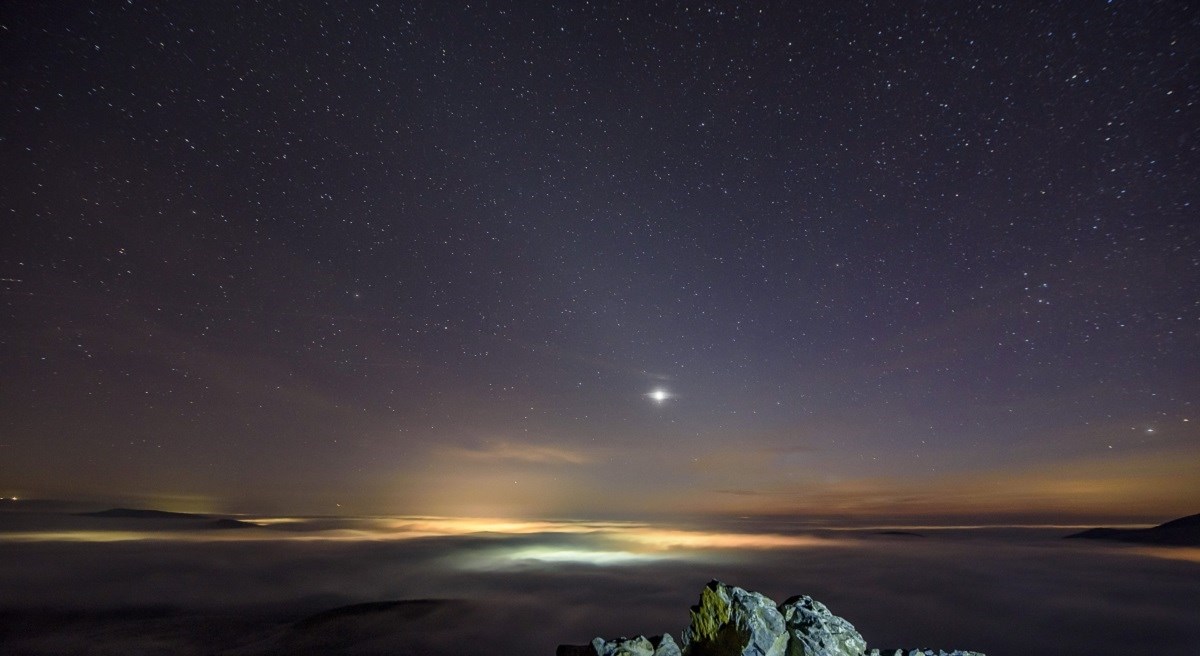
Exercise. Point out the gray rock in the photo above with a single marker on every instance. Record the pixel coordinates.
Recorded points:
(922, 652)
(667, 647)
(640, 646)
(730, 621)
(814, 631)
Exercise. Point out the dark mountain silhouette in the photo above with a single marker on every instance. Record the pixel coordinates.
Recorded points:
(138, 513)
(407, 609)
(1182, 532)
(226, 523)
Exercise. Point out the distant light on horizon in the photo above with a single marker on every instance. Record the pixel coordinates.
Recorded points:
(582, 556)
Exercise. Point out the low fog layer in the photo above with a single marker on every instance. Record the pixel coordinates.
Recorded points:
(524, 588)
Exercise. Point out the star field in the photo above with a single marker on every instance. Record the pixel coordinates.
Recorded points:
(425, 257)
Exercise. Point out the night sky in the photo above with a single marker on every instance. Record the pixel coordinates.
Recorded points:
(602, 259)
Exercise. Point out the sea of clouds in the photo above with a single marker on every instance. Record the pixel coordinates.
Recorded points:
(76, 585)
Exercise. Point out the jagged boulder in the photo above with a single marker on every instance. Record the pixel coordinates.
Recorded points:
(814, 631)
(730, 621)
(663, 645)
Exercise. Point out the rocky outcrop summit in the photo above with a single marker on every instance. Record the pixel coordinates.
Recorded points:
(730, 621)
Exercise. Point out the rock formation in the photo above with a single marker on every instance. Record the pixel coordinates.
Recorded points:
(814, 631)
(730, 621)
(663, 645)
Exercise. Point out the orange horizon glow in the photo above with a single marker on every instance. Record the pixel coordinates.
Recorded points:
(1077, 493)
(602, 543)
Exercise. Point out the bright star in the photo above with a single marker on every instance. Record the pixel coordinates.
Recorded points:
(659, 395)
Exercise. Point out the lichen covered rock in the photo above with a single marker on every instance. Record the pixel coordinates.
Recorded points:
(640, 646)
(814, 631)
(730, 621)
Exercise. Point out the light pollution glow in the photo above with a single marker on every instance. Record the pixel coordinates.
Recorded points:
(506, 478)
(594, 543)
(625, 541)
(609, 543)
(749, 481)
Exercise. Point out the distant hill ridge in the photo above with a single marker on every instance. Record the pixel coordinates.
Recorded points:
(1182, 532)
(139, 513)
